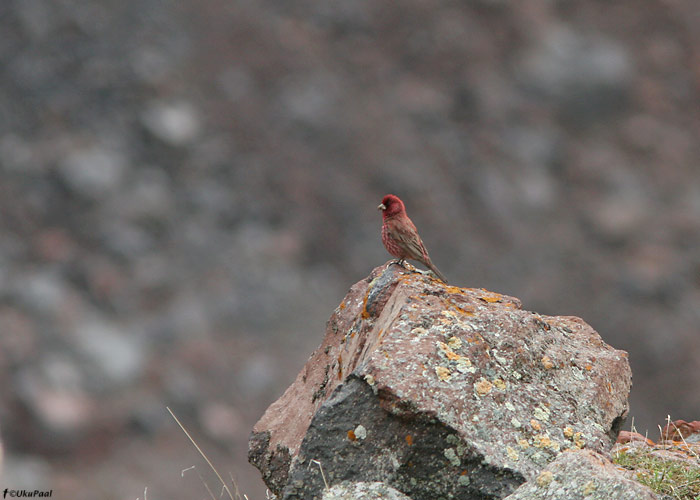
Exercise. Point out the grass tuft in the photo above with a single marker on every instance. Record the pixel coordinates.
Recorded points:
(678, 479)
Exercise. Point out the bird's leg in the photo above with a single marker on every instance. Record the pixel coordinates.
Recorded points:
(400, 262)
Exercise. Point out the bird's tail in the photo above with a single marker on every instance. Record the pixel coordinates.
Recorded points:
(436, 271)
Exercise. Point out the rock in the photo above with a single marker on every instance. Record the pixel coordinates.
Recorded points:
(680, 430)
(632, 437)
(94, 171)
(363, 491)
(176, 123)
(582, 474)
(567, 62)
(440, 391)
(115, 355)
(53, 395)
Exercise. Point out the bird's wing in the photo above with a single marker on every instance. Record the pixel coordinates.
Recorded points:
(405, 234)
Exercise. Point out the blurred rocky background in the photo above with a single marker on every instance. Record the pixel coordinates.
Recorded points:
(187, 189)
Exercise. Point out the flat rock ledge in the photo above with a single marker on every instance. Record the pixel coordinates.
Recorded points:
(440, 391)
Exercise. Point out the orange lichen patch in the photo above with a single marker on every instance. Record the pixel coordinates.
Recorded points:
(463, 473)
(351, 435)
(451, 355)
(523, 444)
(340, 366)
(588, 367)
(453, 289)
(443, 373)
(512, 454)
(409, 439)
(483, 387)
(535, 425)
(448, 352)
(542, 441)
(547, 362)
(342, 306)
(491, 297)
(454, 342)
(459, 307)
(365, 312)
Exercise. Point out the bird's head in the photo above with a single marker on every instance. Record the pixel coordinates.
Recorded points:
(391, 205)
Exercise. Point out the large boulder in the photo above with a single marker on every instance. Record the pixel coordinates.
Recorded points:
(440, 391)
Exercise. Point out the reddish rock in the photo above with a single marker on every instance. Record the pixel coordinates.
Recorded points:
(440, 391)
(680, 430)
(632, 437)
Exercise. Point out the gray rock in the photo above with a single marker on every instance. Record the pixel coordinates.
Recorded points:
(176, 123)
(114, 354)
(363, 491)
(440, 391)
(582, 474)
(93, 171)
(566, 61)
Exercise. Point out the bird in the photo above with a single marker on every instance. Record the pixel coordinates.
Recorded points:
(400, 236)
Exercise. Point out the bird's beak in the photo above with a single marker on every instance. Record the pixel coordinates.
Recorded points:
(381, 206)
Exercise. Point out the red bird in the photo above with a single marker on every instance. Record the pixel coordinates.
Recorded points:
(400, 236)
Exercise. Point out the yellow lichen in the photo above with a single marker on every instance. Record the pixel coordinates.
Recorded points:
(535, 425)
(523, 444)
(483, 387)
(491, 297)
(512, 453)
(568, 432)
(448, 352)
(443, 373)
(547, 362)
(542, 441)
(454, 342)
(500, 384)
(544, 479)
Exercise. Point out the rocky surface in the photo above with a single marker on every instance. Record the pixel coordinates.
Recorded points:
(440, 391)
(363, 491)
(582, 474)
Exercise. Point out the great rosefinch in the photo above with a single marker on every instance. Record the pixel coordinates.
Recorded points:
(400, 236)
